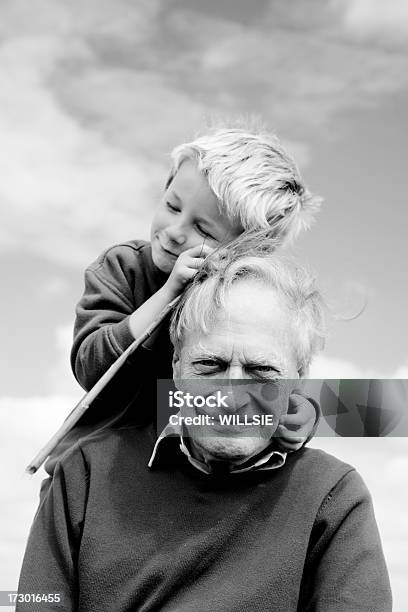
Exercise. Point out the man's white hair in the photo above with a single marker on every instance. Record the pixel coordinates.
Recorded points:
(206, 296)
(254, 178)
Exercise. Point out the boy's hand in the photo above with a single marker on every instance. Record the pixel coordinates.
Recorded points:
(186, 267)
(295, 427)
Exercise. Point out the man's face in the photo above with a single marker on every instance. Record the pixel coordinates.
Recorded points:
(253, 339)
(188, 215)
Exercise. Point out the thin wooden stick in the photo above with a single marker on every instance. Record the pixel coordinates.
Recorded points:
(89, 397)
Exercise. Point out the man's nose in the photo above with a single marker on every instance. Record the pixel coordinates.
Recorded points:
(237, 397)
(177, 233)
(235, 372)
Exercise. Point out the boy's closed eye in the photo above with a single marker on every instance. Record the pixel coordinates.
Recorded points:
(201, 229)
(172, 207)
(204, 232)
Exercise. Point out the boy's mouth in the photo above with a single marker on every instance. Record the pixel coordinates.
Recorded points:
(167, 250)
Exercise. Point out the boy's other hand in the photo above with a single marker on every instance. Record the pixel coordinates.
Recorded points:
(186, 267)
(295, 427)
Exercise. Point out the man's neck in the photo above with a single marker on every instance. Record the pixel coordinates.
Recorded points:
(224, 465)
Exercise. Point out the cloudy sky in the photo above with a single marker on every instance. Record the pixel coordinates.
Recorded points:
(95, 94)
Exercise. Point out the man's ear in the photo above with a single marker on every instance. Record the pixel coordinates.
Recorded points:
(176, 368)
(303, 371)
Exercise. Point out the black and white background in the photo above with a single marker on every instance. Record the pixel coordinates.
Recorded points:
(93, 96)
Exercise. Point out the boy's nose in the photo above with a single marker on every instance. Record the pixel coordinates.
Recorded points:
(176, 234)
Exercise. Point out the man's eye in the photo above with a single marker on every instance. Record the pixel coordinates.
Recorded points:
(265, 371)
(172, 207)
(208, 364)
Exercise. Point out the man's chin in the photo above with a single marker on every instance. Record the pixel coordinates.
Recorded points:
(232, 450)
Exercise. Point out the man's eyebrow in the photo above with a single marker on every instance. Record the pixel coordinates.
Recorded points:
(269, 360)
(262, 362)
(200, 352)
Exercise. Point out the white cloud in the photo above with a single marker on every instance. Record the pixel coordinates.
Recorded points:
(32, 421)
(25, 426)
(95, 94)
(52, 287)
(376, 17)
(298, 72)
(401, 372)
(109, 17)
(70, 189)
(61, 180)
(324, 366)
(60, 378)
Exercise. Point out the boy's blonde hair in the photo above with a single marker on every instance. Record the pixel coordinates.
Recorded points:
(254, 178)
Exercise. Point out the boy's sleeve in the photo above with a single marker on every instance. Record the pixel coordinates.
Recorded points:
(299, 425)
(51, 556)
(318, 411)
(345, 568)
(115, 286)
(101, 331)
(310, 392)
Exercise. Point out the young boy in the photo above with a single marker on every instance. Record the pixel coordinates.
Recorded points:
(221, 184)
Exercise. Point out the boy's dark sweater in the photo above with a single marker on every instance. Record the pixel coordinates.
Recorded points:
(116, 284)
(113, 535)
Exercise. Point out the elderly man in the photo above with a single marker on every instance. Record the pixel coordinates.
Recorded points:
(210, 517)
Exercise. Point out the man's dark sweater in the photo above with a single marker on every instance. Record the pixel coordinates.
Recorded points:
(113, 535)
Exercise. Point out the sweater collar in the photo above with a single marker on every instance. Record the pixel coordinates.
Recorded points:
(266, 460)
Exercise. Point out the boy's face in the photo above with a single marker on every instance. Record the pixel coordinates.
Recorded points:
(187, 216)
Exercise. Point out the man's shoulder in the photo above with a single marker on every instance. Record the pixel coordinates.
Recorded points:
(323, 460)
(319, 469)
(99, 451)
